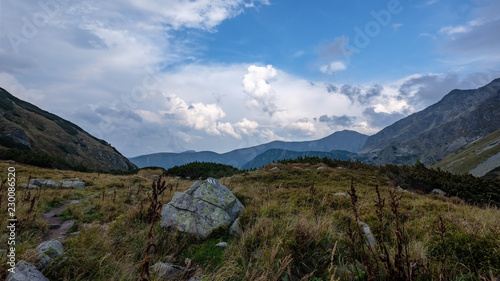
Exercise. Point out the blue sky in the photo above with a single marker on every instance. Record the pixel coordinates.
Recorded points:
(175, 75)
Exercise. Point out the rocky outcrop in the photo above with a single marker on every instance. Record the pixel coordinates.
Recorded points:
(201, 209)
(26, 272)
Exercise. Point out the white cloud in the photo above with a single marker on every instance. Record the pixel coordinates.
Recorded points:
(256, 84)
(450, 30)
(247, 127)
(270, 135)
(333, 67)
(202, 14)
(206, 117)
(303, 125)
(12, 85)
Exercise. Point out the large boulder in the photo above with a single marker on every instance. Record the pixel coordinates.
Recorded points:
(202, 208)
(26, 272)
(44, 183)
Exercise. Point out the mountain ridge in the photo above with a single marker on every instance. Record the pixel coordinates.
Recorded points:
(343, 140)
(26, 128)
(459, 118)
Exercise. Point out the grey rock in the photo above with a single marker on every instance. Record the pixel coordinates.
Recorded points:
(49, 215)
(222, 244)
(275, 168)
(162, 269)
(25, 185)
(341, 194)
(320, 168)
(438, 191)
(367, 234)
(48, 251)
(235, 228)
(26, 272)
(201, 209)
(73, 184)
(44, 183)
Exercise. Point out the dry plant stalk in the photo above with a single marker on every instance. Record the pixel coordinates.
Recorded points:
(153, 215)
(332, 276)
(441, 232)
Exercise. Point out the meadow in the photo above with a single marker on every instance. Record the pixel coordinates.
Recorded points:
(302, 221)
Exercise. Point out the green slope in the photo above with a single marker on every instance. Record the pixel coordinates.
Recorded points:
(474, 157)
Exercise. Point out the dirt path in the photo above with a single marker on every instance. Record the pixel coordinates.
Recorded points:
(58, 229)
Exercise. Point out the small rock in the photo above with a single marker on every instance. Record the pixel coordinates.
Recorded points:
(235, 228)
(49, 215)
(438, 191)
(275, 168)
(372, 177)
(48, 251)
(368, 234)
(320, 168)
(26, 272)
(341, 194)
(67, 225)
(155, 176)
(162, 269)
(222, 244)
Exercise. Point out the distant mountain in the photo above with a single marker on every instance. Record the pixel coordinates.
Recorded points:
(345, 140)
(274, 155)
(460, 118)
(478, 158)
(29, 132)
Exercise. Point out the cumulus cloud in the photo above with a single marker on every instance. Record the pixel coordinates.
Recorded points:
(302, 126)
(256, 84)
(206, 117)
(247, 127)
(333, 67)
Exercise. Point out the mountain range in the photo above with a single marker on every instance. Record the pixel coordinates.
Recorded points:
(460, 133)
(348, 141)
(461, 122)
(35, 135)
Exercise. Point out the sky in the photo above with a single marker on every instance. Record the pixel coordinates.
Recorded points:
(153, 76)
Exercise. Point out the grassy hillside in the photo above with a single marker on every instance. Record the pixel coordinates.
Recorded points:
(466, 159)
(294, 227)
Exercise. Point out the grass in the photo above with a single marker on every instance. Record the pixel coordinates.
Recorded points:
(294, 228)
(467, 158)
